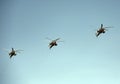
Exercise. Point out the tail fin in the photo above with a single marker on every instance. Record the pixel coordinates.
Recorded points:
(101, 25)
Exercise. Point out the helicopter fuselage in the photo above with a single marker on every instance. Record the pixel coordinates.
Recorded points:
(12, 53)
(53, 43)
(102, 30)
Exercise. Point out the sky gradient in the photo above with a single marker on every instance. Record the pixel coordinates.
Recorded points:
(81, 59)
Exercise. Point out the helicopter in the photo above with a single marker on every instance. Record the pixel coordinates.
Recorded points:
(14, 52)
(101, 30)
(53, 42)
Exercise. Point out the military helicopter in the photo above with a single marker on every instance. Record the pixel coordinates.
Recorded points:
(53, 42)
(13, 52)
(101, 30)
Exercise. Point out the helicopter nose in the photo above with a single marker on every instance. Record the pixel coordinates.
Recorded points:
(55, 44)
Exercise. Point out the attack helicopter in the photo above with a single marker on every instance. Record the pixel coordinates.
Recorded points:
(101, 30)
(53, 42)
(14, 52)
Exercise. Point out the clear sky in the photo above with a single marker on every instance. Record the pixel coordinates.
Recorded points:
(81, 59)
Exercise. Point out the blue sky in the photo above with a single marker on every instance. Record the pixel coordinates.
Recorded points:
(81, 59)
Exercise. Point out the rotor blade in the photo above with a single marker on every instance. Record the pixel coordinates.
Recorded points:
(6, 50)
(108, 27)
(57, 39)
(95, 29)
(60, 41)
(48, 38)
(18, 50)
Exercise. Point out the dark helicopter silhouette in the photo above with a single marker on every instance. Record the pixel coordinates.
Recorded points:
(14, 52)
(101, 30)
(53, 42)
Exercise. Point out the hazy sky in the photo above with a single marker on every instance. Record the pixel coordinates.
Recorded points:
(81, 59)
